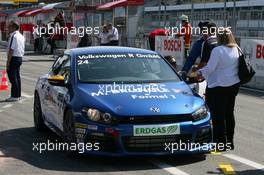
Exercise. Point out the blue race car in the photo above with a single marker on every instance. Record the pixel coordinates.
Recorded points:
(122, 101)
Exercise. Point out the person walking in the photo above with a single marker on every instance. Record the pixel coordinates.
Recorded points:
(221, 73)
(15, 52)
(51, 38)
(186, 32)
(113, 35)
(37, 37)
(103, 37)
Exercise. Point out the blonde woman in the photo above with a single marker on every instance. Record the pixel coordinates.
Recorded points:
(221, 73)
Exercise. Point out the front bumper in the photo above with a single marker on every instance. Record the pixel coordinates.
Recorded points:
(194, 137)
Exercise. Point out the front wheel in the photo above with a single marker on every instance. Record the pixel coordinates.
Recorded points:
(69, 127)
(69, 132)
(38, 116)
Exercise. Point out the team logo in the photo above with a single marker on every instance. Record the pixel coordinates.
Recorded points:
(155, 109)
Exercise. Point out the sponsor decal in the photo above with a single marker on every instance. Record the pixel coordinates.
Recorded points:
(92, 127)
(254, 53)
(81, 125)
(80, 130)
(80, 136)
(84, 59)
(85, 126)
(155, 130)
(155, 109)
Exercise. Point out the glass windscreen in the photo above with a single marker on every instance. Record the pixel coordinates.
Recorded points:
(128, 68)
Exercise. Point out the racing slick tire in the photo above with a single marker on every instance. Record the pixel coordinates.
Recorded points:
(38, 116)
(69, 135)
(69, 127)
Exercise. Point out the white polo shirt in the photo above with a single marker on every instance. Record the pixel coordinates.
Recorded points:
(114, 31)
(17, 43)
(104, 37)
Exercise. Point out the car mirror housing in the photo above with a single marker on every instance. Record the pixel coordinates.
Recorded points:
(192, 80)
(54, 63)
(56, 80)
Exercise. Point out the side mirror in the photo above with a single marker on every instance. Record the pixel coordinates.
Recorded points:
(54, 66)
(56, 80)
(192, 80)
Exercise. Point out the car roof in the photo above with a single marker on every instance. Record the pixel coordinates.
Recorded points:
(109, 49)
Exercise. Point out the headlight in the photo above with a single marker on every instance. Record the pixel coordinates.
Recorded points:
(97, 116)
(200, 114)
(93, 114)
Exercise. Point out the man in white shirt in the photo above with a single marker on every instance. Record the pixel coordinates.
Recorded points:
(113, 35)
(15, 52)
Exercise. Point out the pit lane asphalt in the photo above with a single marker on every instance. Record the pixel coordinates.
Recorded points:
(17, 136)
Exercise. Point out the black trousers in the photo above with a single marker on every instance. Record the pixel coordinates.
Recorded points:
(152, 43)
(52, 44)
(114, 43)
(108, 44)
(221, 102)
(14, 76)
(37, 44)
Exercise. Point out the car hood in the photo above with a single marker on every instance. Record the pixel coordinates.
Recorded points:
(139, 99)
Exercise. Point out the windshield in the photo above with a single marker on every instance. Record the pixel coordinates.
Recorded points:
(129, 68)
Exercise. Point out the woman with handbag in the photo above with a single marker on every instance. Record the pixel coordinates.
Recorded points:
(221, 74)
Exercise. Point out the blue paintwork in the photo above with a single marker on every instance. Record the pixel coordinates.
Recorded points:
(185, 101)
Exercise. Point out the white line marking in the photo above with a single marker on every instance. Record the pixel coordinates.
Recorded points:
(168, 168)
(1, 153)
(28, 78)
(245, 161)
(7, 106)
(26, 95)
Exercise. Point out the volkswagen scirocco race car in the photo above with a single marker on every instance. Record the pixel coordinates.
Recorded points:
(127, 101)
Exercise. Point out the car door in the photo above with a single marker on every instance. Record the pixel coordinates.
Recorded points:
(59, 94)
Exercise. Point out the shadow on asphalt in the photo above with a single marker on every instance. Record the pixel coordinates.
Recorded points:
(18, 144)
(252, 93)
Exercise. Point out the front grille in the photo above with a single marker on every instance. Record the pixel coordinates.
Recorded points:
(155, 119)
(107, 143)
(152, 143)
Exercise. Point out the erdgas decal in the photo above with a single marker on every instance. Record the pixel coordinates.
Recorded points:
(152, 130)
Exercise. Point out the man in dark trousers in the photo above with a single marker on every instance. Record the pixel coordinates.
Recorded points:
(15, 52)
(113, 35)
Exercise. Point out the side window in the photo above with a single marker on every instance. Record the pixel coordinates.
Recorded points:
(63, 67)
